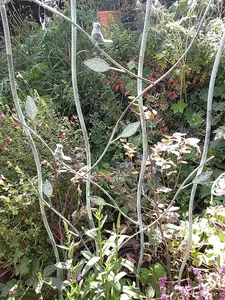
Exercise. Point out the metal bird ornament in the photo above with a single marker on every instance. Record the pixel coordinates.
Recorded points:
(97, 35)
(59, 155)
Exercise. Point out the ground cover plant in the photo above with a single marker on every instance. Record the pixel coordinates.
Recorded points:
(112, 164)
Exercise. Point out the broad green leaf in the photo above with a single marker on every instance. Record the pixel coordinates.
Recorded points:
(179, 106)
(49, 270)
(47, 188)
(23, 267)
(206, 189)
(129, 130)
(132, 65)
(31, 108)
(159, 270)
(97, 200)
(97, 64)
(217, 144)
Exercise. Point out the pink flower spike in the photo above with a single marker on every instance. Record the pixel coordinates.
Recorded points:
(8, 140)
(220, 192)
(1, 116)
(12, 291)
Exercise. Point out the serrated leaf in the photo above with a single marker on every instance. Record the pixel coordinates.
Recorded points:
(23, 267)
(47, 188)
(97, 200)
(31, 108)
(179, 106)
(49, 270)
(129, 130)
(97, 64)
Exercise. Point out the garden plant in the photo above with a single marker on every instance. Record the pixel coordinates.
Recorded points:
(112, 180)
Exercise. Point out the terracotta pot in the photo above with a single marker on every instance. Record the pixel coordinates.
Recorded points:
(108, 17)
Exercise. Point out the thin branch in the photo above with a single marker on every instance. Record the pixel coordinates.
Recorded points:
(205, 149)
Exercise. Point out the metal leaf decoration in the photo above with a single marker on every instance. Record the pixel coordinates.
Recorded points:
(129, 130)
(97, 200)
(47, 188)
(97, 64)
(202, 177)
(31, 108)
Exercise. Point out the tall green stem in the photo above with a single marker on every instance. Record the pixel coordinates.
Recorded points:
(143, 126)
(205, 149)
(31, 141)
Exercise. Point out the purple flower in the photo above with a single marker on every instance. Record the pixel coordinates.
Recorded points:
(183, 290)
(222, 270)
(162, 281)
(164, 297)
(222, 295)
(189, 284)
(201, 287)
(200, 296)
(195, 271)
(214, 262)
(79, 277)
